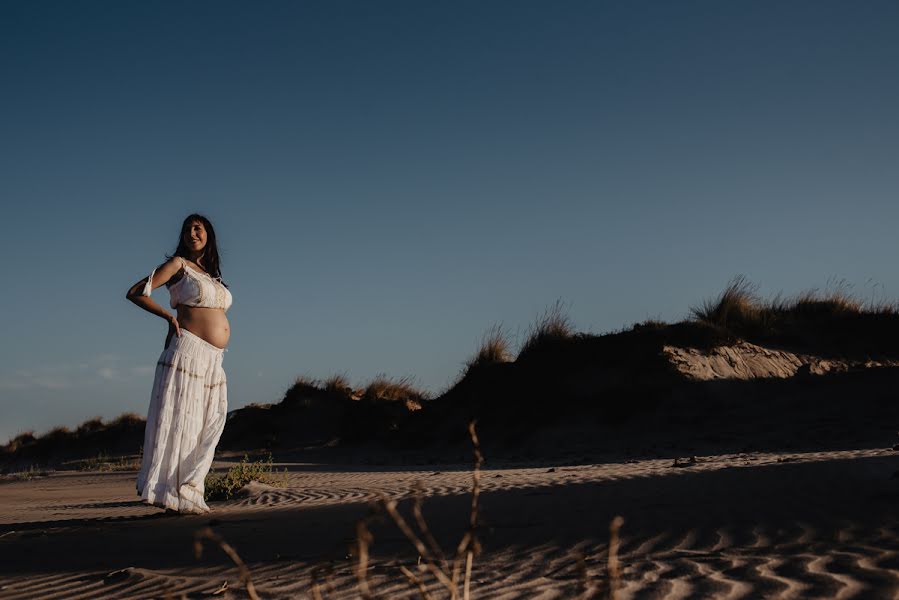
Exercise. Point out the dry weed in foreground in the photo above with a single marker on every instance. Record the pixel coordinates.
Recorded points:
(245, 577)
(431, 557)
(613, 567)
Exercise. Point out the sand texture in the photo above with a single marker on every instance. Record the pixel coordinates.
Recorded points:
(759, 525)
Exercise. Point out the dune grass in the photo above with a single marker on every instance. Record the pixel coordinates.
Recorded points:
(338, 384)
(740, 310)
(552, 326)
(495, 347)
(399, 389)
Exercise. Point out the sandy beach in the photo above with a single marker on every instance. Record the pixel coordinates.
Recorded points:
(749, 525)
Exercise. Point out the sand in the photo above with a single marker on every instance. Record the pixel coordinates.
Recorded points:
(758, 525)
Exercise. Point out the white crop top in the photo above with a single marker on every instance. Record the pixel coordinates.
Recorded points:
(195, 289)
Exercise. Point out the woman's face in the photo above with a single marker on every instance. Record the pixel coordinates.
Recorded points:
(195, 237)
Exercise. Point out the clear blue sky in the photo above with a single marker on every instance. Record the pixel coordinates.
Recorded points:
(388, 179)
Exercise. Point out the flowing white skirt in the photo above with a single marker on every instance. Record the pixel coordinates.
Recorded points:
(188, 408)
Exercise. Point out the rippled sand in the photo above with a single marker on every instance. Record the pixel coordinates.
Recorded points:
(804, 525)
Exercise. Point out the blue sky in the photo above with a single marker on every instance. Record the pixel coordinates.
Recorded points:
(389, 179)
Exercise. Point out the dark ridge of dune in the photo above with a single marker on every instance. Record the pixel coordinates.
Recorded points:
(628, 392)
(747, 375)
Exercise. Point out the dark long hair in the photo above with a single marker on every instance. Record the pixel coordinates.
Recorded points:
(210, 252)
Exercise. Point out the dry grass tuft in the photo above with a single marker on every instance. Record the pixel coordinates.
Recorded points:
(402, 389)
(835, 312)
(126, 420)
(305, 384)
(90, 426)
(737, 305)
(338, 384)
(553, 325)
(25, 438)
(496, 347)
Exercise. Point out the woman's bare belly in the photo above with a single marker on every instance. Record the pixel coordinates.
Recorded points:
(211, 324)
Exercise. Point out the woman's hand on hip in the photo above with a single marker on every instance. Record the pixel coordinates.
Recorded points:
(173, 326)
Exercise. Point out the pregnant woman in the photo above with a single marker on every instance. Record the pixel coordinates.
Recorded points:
(189, 401)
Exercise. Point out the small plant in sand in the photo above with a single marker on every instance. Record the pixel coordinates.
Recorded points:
(223, 486)
(104, 462)
(32, 472)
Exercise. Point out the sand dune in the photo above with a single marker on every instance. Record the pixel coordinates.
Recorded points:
(800, 525)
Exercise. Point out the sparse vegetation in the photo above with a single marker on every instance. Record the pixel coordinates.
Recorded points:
(386, 389)
(815, 320)
(558, 374)
(93, 442)
(223, 486)
(338, 384)
(737, 306)
(553, 326)
(495, 347)
(32, 472)
(104, 462)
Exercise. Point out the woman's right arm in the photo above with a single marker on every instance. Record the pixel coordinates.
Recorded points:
(139, 293)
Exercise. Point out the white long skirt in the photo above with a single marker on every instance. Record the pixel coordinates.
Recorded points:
(188, 408)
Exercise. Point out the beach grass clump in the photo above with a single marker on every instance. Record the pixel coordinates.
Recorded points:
(338, 385)
(394, 390)
(496, 347)
(738, 306)
(89, 427)
(553, 326)
(223, 486)
(740, 310)
(21, 440)
(126, 420)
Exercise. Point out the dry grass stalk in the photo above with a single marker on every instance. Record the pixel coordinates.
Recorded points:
(363, 540)
(582, 576)
(613, 566)
(469, 545)
(316, 575)
(431, 557)
(423, 551)
(425, 530)
(245, 575)
(417, 582)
